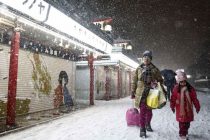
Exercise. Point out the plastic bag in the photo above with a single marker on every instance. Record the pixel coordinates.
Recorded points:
(153, 98)
(156, 98)
(162, 97)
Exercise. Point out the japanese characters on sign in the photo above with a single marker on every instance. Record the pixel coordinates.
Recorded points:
(41, 11)
(37, 9)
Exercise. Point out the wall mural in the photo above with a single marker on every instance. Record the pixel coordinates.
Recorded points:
(62, 93)
(58, 98)
(40, 75)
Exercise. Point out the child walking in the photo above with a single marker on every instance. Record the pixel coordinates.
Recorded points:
(182, 100)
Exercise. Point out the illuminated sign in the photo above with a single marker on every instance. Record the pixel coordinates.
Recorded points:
(37, 9)
(43, 12)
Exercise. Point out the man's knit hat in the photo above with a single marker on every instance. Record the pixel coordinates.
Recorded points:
(148, 53)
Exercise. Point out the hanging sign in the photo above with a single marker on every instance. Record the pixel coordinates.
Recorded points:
(37, 9)
(41, 11)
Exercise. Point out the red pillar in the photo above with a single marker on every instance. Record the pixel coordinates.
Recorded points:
(107, 84)
(129, 72)
(119, 82)
(90, 63)
(12, 85)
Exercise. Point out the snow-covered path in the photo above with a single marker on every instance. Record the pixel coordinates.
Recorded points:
(106, 121)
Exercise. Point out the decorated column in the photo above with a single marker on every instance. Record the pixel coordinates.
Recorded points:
(129, 72)
(90, 64)
(107, 84)
(12, 85)
(119, 82)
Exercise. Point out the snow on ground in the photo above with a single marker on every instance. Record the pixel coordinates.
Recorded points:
(106, 121)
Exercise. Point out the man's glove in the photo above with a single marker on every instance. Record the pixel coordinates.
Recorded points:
(154, 84)
(173, 110)
(133, 95)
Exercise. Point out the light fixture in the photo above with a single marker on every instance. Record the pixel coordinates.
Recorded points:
(61, 43)
(108, 28)
(129, 47)
(67, 45)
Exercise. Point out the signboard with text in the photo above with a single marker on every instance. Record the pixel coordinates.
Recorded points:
(41, 11)
(37, 9)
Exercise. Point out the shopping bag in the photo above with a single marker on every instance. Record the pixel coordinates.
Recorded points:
(152, 100)
(132, 117)
(162, 97)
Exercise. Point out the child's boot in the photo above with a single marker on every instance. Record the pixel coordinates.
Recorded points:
(183, 138)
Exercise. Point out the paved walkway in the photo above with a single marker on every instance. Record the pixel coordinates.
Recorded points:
(33, 119)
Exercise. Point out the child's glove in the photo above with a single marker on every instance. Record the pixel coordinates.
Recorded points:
(173, 110)
(197, 110)
(133, 95)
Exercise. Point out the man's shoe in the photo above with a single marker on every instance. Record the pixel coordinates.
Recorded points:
(149, 128)
(143, 132)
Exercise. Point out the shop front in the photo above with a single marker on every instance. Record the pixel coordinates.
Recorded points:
(46, 51)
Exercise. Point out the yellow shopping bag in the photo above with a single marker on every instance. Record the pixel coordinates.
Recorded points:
(153, 98)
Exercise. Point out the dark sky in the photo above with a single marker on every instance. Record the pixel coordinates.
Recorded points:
(176, 31)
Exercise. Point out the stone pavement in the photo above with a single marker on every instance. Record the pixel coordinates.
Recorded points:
(33, 119)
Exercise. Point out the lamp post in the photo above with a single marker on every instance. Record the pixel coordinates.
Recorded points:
(13, 70)
(90, 64)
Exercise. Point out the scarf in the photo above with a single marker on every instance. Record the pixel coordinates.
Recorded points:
(185, 94)
(147, 74)
(147, 79)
